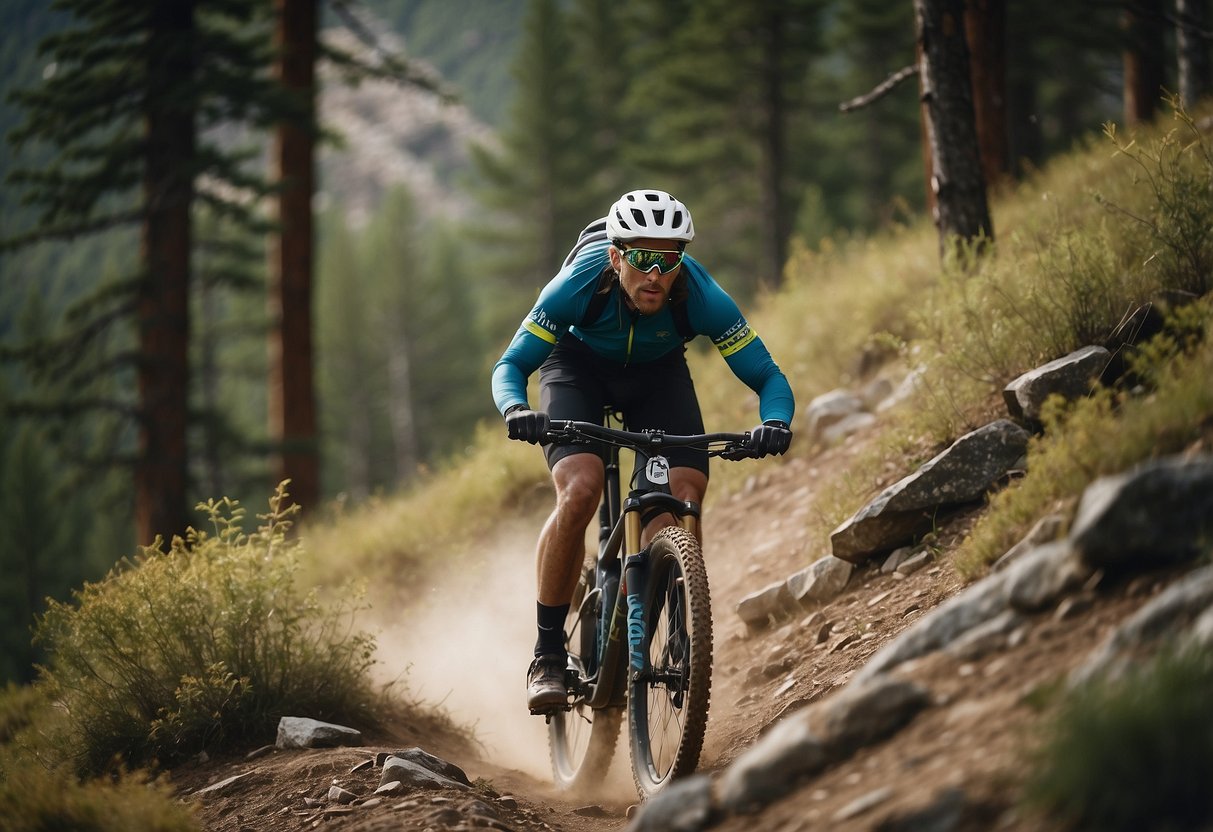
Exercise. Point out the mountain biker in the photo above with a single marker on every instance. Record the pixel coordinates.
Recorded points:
(609, 329)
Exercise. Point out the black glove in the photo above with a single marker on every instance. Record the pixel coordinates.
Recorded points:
(771, 437)
(525, 424)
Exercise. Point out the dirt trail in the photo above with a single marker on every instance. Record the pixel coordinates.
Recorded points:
(466, 644)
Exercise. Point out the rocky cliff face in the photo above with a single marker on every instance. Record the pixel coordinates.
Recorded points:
(393, 133)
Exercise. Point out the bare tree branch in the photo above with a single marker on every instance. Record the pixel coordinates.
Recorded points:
(387, 65)
(880, 91)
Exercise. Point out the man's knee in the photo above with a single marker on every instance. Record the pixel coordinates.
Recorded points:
(688, 484)
(578, 481)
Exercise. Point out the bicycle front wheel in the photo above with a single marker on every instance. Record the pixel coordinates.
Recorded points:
(668, 700)
(582, 739)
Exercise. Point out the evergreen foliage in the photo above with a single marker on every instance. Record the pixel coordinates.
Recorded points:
(403, 368)
(541, 183)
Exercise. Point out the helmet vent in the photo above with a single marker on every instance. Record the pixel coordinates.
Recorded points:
(677, 219)
(638, 216)
(659, 216)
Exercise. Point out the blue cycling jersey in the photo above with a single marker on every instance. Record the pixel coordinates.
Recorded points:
(625, 336)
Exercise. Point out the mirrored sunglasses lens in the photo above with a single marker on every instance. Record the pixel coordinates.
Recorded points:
(645, 259)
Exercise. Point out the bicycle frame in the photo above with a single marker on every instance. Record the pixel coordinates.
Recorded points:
(621, 580)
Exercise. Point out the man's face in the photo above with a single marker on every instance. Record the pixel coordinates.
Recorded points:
(645, 292)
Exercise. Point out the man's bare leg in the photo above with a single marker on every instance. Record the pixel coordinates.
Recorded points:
(559, 556)
(561, 549)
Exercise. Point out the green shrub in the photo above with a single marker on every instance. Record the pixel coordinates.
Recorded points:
(1131, 755)
(207, 643)
(1106, 434)
(1177, 225)
(33, 799)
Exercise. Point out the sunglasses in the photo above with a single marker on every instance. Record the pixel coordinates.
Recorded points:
(644, 259)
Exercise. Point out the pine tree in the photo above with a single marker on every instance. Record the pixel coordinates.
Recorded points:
(956, 175)
(135, 86)
(716, 108)
(541, 181)
(348, 373)
(877, 147)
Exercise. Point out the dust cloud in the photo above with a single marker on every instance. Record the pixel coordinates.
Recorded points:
(463, 640)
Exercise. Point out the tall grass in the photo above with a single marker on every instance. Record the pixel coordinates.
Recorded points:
(1133, 754)
(1105, 434)
(200, 646)
(1112, 225)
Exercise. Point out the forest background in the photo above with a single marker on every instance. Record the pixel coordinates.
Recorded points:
(438, 222)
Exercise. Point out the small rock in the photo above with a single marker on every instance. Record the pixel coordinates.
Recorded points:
(876, 599)
(508, 801)
(260, 752)
(371, 803)
(895, 559)
(591, 811)
(340, 795)
(912, 564)
(223, 786)
(393, 787)
(863, 804)
(365, 764)
(301, 732)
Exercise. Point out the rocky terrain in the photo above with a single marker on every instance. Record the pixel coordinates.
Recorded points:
(860, 682)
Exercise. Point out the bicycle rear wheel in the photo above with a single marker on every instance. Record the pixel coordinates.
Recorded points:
(668, 702)
(582, 739)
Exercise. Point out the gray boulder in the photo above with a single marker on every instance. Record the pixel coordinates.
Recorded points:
(824, 580)
(960, 474)
(301, 732)
(1159, 513)
(772, 601)
(829, 409)
(812, 738)
(1185, 604)
(1070, 376)
(686, 806)
(415, 776)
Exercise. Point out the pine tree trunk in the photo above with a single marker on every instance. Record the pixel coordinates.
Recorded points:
(985, 30)
(956, 177)
(163, 303)
(1144, 59)
(1195, 69)
(292, 401)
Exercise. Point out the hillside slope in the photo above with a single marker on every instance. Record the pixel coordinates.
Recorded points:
(455, 580)
(965, 753)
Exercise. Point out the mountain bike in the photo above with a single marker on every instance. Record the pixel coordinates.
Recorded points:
(661, 671)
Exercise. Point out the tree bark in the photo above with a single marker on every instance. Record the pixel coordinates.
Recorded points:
(956, 177)
(985, 32)
(1195, 69)
(1144, 58)
(163, 299)
(292, 400)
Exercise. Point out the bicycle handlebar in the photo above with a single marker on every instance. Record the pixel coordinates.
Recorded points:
(562, 432)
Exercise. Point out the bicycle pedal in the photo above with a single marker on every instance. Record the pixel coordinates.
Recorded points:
(549, 711)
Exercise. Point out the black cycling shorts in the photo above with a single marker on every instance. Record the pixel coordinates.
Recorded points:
(576, 383)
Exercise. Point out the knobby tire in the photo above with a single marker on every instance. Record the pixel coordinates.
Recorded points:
(668, 712)
(582, 740)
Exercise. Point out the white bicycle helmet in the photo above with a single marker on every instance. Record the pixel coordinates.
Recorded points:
(653, 214)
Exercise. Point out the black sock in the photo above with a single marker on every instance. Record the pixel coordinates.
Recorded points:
(551, 628)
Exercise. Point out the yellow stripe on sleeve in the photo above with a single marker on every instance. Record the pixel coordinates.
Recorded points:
(736, 342)
(538, 331)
